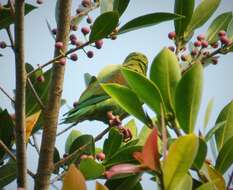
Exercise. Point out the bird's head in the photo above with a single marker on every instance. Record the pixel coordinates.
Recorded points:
(136, 61)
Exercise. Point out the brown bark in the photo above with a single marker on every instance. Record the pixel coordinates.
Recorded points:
(45, 166)
(20, 95)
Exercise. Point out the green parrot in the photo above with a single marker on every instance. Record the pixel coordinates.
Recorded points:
(94, 103)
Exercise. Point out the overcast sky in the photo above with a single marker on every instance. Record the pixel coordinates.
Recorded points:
(40, 47)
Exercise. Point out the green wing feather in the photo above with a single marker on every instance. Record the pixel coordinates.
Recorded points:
(94, 103)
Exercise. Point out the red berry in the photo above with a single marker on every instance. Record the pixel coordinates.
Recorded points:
(206, 53)
(222, 33)
(99, 44)
(73, 27)
(100, 156)
(86, 3)
(214, 61)
(113, 37)
(172, 48)
(39, 2)
(171, 35)
(89, 20)
(54, 31)
(59, 45)
(74, 57)
(84, 156)
(200, 37)
(194, 52)
(197, 43)
(184, 57)
(78, 11)
(3, 45)
(62, 61)
(90, 54)
(214, 45)
(73, 39)
(85, 30)
(75, 104)
(204, 44)
(40, 78)
(90, 157)
(224, 40)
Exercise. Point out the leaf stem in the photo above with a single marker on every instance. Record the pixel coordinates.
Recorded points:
(7, 95)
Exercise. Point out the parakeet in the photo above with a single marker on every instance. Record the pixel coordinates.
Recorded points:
(94, 103)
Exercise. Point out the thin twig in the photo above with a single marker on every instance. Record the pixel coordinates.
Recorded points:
(66, 129)
(10, 38)
(164, 133)
(7, 150)
(35, 94)
(8, 96)
(100, 136)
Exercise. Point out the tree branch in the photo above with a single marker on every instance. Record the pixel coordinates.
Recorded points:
(20, 95)
(45, 166)
(8, 96)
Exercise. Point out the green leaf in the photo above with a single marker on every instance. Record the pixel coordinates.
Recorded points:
(165, 73)
(226, 132)
(185, 183)
(127, 99)
(185, 8)
(124, 155)
(106, 6)
(219, 23)
(144, 133)
(82, 141)
(225, 158)
(131, 125)
(130, 182)
(120, 6)
(201, 154)
(8, 173)
(56, 158)
(146, 90)
(6, 131)
(230, 30)
(112, 143)
(146, 21)
(104, 25)
(70, 139)
(208, 112)
(188, 97)
(6, 18)
(202, 14)
(212, 131)
(206, 186)
(91, 169)
(177, 163)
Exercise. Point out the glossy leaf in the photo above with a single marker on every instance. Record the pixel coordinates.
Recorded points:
(70, 139)
(131, 125)
(124, 155)
(74, 179)
(213, 176)
(185, 8)
(225, 132)
(83, 140)
(206, 186)
(8, 173)
(104, 25)
(201, 154)
(177, 162)
(30, 123)
(118, 184)
(213, 130)
(91, 169)
(120, 6)
(106, 5)
(146, 21)
(6, 18)
(112, 143)
(225, 158)
(144, 133)
(146, 90)
(219, 23)
(202, 13)
(150, 153)
(6, 131)
(185, 183)
(127, 99)
(188, 97)
(208, 112)
(99, 186)
(165, 73)
(230, 30)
